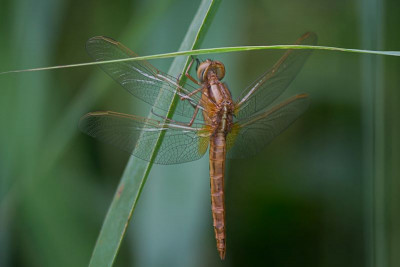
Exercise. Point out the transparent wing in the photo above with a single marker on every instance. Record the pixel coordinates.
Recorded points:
(250, 136)
(140, 78)
(180, 143)
(271, 84)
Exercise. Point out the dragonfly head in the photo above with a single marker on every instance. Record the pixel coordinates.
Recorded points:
(210, 66)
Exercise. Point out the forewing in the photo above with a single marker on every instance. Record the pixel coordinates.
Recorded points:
(140, 78)
(180, 143)
(250, 136)
(273, 83)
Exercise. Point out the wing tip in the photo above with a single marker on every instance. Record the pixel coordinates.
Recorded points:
(95, 39)
(302, 95)
(304, 98)
(83, 120)
(309, 37)
(104, 38)
(95, 113)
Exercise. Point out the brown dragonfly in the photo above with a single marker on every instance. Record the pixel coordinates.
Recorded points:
(207, 114)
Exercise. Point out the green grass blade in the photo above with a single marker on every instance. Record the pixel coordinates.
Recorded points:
(218, 50)
(136, 171)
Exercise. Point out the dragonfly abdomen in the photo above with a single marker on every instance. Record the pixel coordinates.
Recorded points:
(217, 174)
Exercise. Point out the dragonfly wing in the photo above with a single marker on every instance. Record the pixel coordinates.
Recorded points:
(138, 135)
(140, 78)
(273, 83)
(250, 136)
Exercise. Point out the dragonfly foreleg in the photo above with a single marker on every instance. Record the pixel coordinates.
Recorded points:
(190, 76)
(196, 108)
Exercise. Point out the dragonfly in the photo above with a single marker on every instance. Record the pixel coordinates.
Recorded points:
(209, 117)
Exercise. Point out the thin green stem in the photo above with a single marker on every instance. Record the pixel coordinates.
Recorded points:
(218, 50)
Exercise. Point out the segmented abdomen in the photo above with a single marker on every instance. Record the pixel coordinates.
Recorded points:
(217, 171)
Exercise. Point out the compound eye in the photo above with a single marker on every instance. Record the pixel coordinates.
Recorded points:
(220, 74)
(220, 68)
(202, 74)
(201, 70)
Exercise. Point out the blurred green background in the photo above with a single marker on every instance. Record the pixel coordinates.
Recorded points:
(324, 193)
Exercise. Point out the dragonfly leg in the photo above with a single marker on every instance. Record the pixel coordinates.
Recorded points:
(190, 76)
(196, 111)
(187, 96)
(168, 119)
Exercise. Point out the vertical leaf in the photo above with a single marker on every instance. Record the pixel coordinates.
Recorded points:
(374, 136)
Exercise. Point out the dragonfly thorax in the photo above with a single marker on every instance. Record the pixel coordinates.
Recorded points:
(224, 118)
